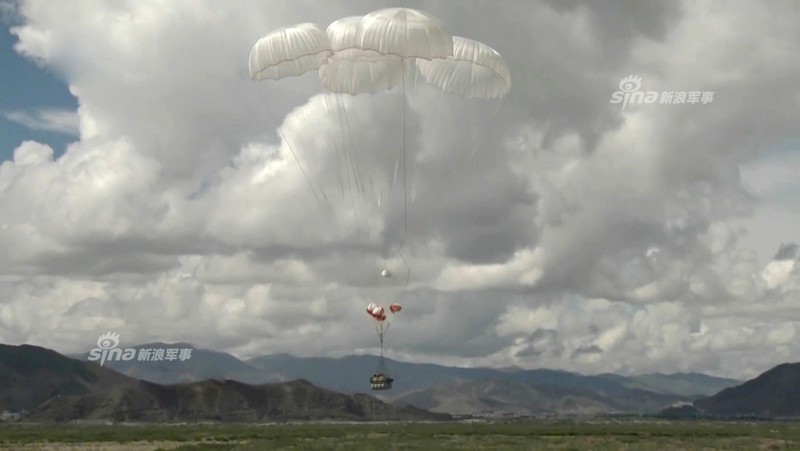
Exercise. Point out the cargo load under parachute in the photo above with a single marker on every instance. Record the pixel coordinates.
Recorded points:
(381, 380)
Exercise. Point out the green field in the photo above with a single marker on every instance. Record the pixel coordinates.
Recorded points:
(531, 434)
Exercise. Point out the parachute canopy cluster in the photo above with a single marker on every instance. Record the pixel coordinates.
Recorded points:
(381, 50)
(372, 54)
(379, 313)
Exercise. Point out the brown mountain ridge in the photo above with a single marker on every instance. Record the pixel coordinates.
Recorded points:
(51, 387)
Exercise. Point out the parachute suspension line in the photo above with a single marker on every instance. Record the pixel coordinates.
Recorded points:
(294, 154)
(383, 362)
(297, 160)
(381, 338)
(358, 172)
(274, 116)
(334, 116)
(405, 178)
(339, 158)
(354, 180)
(381, 335)
(347, 175)
(475, 133)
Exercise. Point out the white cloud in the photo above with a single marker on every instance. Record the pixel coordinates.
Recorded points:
(772, 179)
(46, 119)
(551, 229)
(520, 270)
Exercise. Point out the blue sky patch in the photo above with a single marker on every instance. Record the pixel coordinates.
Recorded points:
(33, 101)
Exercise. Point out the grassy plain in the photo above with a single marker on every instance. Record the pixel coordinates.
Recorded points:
(527, 434)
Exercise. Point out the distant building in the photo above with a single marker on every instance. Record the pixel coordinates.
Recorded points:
(10, 416)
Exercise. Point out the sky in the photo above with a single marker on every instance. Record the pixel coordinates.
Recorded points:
(149, 187)
(35, 104)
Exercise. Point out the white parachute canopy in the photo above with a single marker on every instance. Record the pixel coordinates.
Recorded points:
(356, 71)
(342, 33)
(404, 32)
(474, 71)
(367, 65)
(289, 51)
(376, 52)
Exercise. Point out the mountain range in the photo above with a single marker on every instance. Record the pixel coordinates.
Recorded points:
(495, 396)
(47, 386)
(216, 386)
(453, 390)
(350, 374)
(773, 394)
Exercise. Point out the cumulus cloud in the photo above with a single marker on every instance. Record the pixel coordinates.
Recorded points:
(46, 119)
(550, 229)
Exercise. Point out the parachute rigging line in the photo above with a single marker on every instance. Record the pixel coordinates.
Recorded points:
(305, 176)
(325, 207)
(475, 132)
(405, 179)
(291, 149)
